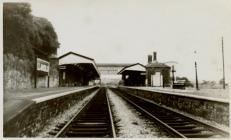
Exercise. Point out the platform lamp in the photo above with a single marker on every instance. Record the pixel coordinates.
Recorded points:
(173, 77)
(197, 87)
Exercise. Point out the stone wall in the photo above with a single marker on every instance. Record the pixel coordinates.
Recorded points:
(33, 118)
(209, 109)
(54, 72)
(17, 72)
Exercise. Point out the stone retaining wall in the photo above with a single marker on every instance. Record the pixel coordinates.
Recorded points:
(33, 118)
(209, 109)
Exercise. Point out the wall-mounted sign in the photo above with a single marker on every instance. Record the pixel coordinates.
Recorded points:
(42, 65)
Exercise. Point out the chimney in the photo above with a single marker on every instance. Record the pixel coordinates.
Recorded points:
(149, 59)
(154, 56)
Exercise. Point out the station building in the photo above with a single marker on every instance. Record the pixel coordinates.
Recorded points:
(77, 70)
(157, 74)
(133, 75)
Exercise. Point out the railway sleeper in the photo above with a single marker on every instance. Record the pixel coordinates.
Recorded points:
(56, 129)
(93, 114)
(53, 132)
(190, 130)
(96, 111)
(199, 135)
(89, 129)
(89, 125)
(87, 134)
(164, 117)
(184, 127)
(178, 123)
(60, 125)
(173, 121)
(91, 120)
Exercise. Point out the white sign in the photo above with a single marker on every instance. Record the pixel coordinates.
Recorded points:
(42, 65)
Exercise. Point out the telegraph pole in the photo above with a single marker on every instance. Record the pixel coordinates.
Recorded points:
(197, 87)
(223, 62)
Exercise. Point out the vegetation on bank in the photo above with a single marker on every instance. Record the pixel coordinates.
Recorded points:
(24, 33)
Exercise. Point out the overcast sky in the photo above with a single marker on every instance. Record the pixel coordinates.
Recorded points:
(126, 31)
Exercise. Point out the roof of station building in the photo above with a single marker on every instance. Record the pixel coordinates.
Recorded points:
(72, 58)
(133, 67)
(113, 64)
(76, 55)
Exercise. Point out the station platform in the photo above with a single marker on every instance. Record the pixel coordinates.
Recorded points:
(16, 100)
(214, 94)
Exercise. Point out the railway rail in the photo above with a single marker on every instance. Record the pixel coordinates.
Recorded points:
(177, 124)
(94, 120)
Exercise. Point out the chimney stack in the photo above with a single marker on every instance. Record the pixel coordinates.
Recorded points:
(154, 56)
(149, 59)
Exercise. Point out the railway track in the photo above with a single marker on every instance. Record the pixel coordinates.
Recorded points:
(94, 120)
(177, 124)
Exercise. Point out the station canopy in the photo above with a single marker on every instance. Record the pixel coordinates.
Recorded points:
(134, 67)
(84, 63)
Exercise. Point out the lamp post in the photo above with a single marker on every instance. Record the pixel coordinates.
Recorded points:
(173, 77)
(197, 87)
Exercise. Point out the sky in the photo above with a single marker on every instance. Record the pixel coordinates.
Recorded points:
(126, 31)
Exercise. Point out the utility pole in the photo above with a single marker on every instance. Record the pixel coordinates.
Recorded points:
(223, 62)
(197, 87)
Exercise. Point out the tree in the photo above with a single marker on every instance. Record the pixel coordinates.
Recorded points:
(17, 29)
(44, 36)
(23, 32)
